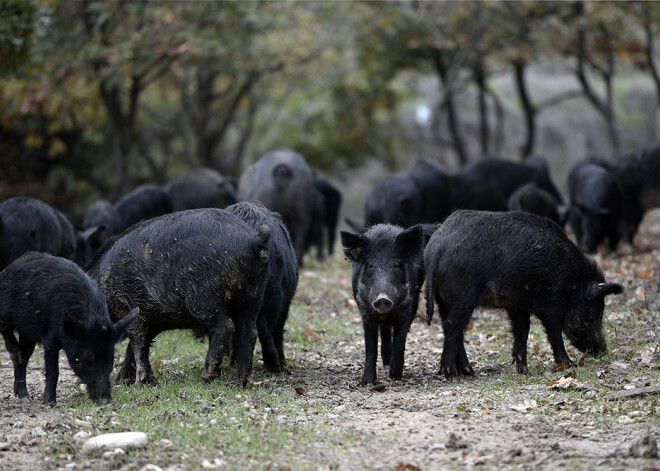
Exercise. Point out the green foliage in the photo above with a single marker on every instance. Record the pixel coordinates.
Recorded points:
(157, 88)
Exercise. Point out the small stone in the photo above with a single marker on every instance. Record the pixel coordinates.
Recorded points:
(151, 467)
(113, 441)
(4, 446)
(81, 436)
(165, 443)
(71, 466)
(38, 432)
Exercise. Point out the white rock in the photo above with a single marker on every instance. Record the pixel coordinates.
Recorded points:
(81, 436)
(151, 467)
(4, 446)
(111, 441)
(38, 432)
(71, 466)
(165, 443)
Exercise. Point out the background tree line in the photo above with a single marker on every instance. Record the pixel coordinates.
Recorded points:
(99, 96)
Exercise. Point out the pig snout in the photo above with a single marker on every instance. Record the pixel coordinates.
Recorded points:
(383, 303)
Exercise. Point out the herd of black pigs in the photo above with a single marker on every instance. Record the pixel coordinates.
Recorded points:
(189, 255)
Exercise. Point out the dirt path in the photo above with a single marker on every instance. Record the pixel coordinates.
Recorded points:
(497, 419)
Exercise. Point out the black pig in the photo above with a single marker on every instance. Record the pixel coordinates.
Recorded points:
(145, 202)
(595, 210)
(472, 192)
(200, 269)
(387, 276)
(201, 187)
(28, 224)
(395, 200)
(282, 281)
(532, 199)
(51, 301)
(283, 182)
(519, 262)
(506, 176)
(435, 187)
(331, 204)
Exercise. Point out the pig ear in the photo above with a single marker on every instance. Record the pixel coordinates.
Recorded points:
(603, 289)
(91, 234)
(73, 326)
(409, 244)
(353, 244)
(120, 327)
(229, 181)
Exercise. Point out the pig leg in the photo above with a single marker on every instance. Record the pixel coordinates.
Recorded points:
(51, 357)
(138, 337)
(245, 334)
(371, 350)
(126, 374)
(454, 358)
(398, 349)
(386, 345)
(613, 237)
(278, 334)
(265, 329)
(553, 332)
(219, 334)
(520, 327)
(271, 357)
(20, 352)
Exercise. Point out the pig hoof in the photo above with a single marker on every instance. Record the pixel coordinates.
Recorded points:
(467, 370)
(449, 372)
(368, 382)
(522, 369)
(209, 377)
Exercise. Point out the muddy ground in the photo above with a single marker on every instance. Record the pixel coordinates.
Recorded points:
(497, 419)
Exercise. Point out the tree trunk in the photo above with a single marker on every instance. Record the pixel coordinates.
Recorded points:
(528, 108)
(452, 114)
(480, 80)
(604, 107)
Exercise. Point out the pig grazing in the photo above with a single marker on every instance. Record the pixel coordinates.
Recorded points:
(28, 224)
(51, 301)
(145, 202)
(521, 263)
(101, 221)
(387, 276)
(532, 199)
(596, 206)
(330, 212)
(201, 269)
(505, 176)
(282, 281)
(201, 187)
(283, 182)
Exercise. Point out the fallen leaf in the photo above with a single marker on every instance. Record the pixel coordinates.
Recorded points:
(300, 391)
(526, 406)
(378, 388)
(568, 383)
(560, 366)
(313, 335)
(407, 467)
